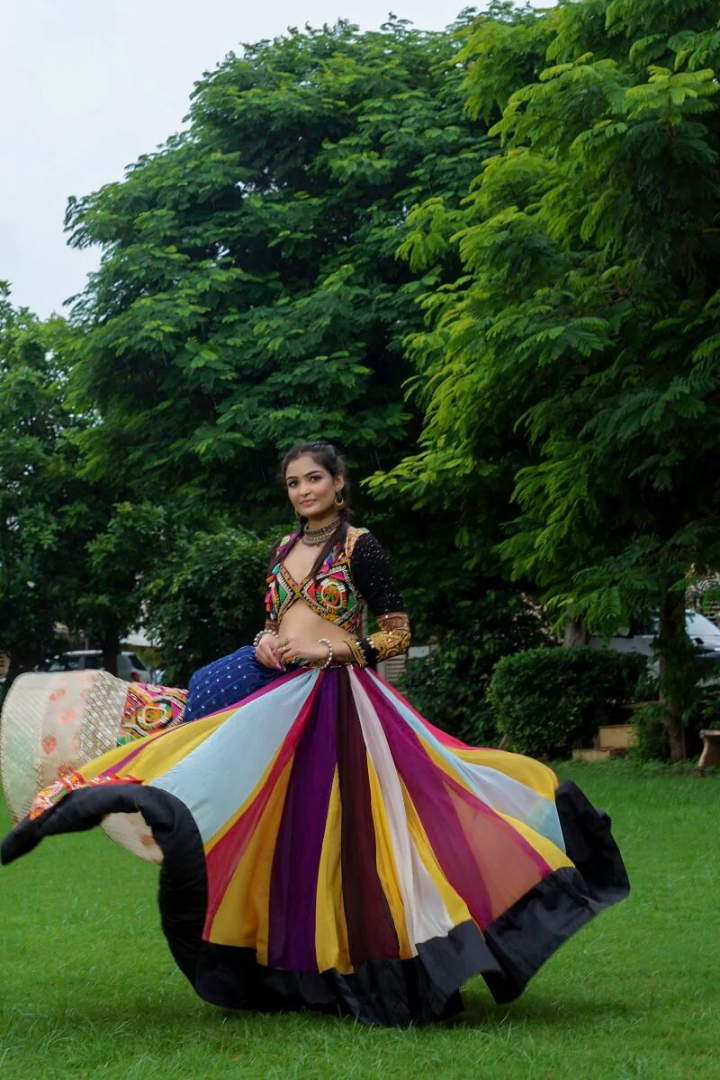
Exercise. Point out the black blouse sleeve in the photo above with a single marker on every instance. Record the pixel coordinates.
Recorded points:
(376, 583)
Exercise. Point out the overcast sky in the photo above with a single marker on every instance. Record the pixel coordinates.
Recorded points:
(88, 85)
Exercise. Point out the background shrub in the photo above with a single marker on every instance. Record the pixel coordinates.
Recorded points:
(206, 600)
(450, 686)
(551, 701)
(651, 741)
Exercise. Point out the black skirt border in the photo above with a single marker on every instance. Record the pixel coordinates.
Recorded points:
(391, 992)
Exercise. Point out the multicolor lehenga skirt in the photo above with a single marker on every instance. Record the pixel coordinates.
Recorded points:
(323, 845)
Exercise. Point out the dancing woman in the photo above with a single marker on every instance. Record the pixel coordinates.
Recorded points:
(321, 843)
(320, 579)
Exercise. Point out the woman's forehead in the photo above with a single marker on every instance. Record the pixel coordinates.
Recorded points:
(303, 465)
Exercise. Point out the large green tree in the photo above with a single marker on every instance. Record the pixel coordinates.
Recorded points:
(470, 449)
(31, 478)
(578, 352)
(249, 293)
(71, 552)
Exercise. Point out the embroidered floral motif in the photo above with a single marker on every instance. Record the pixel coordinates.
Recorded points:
(339, 593)
(149, 709)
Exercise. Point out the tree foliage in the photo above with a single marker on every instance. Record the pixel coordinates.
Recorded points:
(71, 553)
(32, 479)
(205, 599)
(484, 262)
(576, 355)
(249, 294)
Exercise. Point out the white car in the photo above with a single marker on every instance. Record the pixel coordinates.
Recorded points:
(639, 639)
(129, 666)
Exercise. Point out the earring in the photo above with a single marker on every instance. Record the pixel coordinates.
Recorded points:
(339, 500)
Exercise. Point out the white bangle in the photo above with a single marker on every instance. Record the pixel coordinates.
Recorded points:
(328, 662)
(261, 634)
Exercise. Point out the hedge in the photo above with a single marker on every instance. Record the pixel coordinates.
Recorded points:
(550, 701)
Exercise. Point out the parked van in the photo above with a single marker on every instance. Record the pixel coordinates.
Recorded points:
(639, 639)
(129, 666)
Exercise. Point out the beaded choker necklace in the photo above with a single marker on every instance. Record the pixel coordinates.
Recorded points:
(315, 537)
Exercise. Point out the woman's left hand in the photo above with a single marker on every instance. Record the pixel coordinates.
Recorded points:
(292, 647)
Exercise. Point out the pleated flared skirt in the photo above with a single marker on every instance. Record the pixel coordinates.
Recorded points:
(321, 844)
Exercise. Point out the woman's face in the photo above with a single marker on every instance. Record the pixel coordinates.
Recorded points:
(311, 488)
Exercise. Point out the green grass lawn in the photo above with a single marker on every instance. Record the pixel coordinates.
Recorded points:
(88, 987)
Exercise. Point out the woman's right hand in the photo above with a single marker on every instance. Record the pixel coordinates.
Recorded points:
(266, 652)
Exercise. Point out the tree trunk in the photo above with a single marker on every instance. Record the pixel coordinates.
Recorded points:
(110, 645)
(575, 634)
(678, 671)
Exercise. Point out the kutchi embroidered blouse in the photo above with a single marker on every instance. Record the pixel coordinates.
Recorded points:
(356, 572)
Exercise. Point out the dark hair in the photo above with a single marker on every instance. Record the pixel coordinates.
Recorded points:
(329, 458)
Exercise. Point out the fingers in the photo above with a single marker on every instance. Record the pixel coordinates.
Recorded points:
(267, 655)
(289, 649)
(266, 660)
(285, 647)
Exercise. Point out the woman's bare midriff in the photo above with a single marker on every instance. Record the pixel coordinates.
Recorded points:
(306, 623)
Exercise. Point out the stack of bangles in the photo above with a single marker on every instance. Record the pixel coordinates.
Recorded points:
(321, 641)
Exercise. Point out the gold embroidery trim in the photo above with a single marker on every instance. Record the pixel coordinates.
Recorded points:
(357, 652)
(393, 638)
(389, 643)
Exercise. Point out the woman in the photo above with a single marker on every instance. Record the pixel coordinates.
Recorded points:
(319, 577)
(321, 843)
